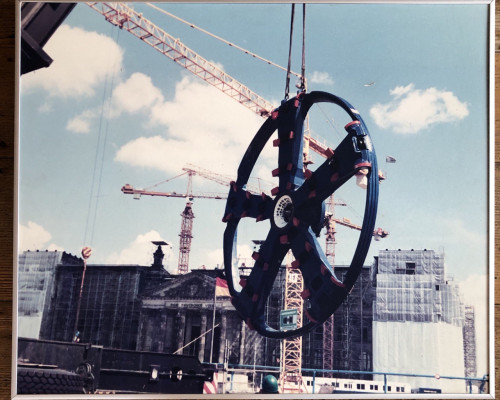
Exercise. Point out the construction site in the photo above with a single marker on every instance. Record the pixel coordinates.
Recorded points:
(290, 310)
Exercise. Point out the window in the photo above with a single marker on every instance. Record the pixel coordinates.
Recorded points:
(410, 268)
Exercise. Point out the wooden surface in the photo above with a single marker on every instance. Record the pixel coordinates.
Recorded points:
(7, 99)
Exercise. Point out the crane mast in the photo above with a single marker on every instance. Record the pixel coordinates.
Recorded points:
(185, 235)
(186, 232)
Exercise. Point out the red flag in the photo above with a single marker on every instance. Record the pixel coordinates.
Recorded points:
(211, 387)
(221, 287)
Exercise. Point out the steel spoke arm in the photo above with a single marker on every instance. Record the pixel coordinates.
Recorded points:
(351, 156)
(251, 300)
(242, 203)
(323, 290)
(290, 143)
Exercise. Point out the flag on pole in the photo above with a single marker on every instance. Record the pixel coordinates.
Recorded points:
(221, 289)
(211, 387)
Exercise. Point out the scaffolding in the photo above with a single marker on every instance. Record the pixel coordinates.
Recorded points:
(412, 287)
(418, 315)
(291, 363)
(36, 285)
(328, 326)
(470, 342)
(185, 238)
(353, 322)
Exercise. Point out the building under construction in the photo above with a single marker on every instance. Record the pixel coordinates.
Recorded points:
(402, 306)
(36, 277)
(108, 308)
(145, 308)
(418, 319)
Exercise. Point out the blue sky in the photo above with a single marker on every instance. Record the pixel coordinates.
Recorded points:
(111, 110)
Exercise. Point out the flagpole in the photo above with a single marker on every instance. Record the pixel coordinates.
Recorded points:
(213, 321)
(86, 251)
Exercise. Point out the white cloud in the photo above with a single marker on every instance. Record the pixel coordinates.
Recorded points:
(457, 229)
(136, 94)
(35, 237)
(321, 77)
(412, 110)
(152, 152)
(202, 126)
(45, 107)
(82, 60)
(81, 123)
(216, 257)
(399, 91)
(140, 251)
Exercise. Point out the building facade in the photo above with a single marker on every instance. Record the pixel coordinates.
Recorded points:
(146, 308)
(418, 319)
(352, 326)
(109, 308)
(36, 273)
(184, 316)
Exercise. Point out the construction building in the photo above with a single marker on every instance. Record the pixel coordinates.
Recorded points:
(353, 347)
(187, 316)
(109, 307)
(404, 315)
(147, 309)
(352, 335)
(36, 270)
(418, 319)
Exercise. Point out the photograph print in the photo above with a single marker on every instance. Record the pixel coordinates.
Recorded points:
(290, 199)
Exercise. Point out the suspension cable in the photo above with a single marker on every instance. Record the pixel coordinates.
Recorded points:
(303, 70)
(287, 84)
(302, 77)
(221, 39)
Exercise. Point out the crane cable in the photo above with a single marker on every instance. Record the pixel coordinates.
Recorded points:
(302, 82)
(221, 39)
(302, 86)
(287, 84)
(100, 153)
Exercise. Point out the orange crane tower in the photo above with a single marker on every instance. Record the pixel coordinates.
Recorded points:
(186, 232)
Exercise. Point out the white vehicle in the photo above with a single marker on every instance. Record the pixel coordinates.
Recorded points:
(341, 385)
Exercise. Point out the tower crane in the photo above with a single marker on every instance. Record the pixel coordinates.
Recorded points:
(186, 232)
(123, 16)
(126, 18)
